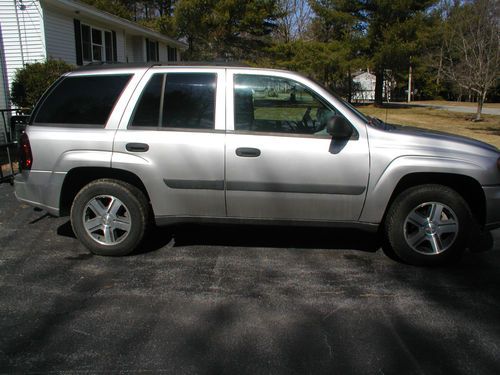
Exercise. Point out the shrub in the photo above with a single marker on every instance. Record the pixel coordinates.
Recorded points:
(31, 81)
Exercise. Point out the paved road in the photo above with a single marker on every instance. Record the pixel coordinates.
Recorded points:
(463, 109)
(238, 300)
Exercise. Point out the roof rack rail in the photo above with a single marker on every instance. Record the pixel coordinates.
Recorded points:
(206, 63)
(114, 65)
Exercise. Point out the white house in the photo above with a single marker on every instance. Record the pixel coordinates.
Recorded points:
(364, 87)
(36, 30)
(364, 84)
(3, 91)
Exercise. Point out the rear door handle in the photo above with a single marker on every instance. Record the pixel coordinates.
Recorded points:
(248, 152)
(137, 147)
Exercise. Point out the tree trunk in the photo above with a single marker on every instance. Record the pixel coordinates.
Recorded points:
(379, 86)
(349, 85)
(480, 101)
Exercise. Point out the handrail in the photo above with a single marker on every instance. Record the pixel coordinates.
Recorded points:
(11, 141)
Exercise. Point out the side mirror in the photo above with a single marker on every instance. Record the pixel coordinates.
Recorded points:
(339, 128)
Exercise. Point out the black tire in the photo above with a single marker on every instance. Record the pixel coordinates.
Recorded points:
(110, 233)
(444, 220)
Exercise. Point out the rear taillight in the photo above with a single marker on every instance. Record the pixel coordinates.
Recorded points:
(25, 157)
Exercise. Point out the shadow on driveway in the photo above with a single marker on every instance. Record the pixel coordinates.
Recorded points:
(239, 300)
(251, 236)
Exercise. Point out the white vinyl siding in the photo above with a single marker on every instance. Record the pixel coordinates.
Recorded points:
(59, 36)
(45, 29)
(23, 40)
(136, 48)
(3, 87)
(3, 76)
(3, 92)
(120, 46)
(163, 52)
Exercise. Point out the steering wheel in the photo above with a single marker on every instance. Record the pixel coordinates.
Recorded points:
(307, 122)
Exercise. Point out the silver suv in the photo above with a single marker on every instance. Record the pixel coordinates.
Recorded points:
(119, 147)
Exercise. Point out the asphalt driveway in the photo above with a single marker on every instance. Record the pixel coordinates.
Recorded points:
(238, 300)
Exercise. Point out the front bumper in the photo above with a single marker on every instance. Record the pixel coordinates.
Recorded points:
(492, 195)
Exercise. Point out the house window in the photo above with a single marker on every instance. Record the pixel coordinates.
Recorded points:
(97, 44)
(172, 53)
(152, 50)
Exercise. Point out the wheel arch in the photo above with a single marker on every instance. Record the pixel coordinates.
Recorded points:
(78, 177)
(468, 188)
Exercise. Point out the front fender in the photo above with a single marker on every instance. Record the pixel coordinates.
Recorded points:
(381, 185)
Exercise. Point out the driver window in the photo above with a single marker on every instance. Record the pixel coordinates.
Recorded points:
(278, 105)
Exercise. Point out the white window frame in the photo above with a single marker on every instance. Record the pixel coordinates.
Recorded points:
(92, 44)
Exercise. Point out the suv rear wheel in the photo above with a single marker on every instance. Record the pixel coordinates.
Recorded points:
(428, 225)
(110, 217)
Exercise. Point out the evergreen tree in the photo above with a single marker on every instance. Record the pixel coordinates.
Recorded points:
(226, 29)
(385, 32)
(118, 8)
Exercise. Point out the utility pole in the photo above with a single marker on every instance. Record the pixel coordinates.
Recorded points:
(409, 84)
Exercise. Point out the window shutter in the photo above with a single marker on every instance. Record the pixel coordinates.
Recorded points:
(157, 51)
(78, 42)
(115, 53)
(147, 50)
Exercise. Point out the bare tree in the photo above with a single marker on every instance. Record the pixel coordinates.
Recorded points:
(295, 20)
(470, 54)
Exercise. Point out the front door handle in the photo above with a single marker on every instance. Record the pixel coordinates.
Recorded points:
(248, 152)
(137, 147)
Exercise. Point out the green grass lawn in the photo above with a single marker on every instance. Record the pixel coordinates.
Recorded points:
(487, 130)
(458, 123)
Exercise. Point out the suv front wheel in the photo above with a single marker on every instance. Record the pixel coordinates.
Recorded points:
(428, 225)
(110, 217)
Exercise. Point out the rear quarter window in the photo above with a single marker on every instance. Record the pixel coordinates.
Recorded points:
(81, 101)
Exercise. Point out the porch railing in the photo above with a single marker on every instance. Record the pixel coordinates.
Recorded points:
(9, 154)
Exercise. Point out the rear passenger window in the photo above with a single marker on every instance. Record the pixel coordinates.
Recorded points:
(82, 100)
(177, 100)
